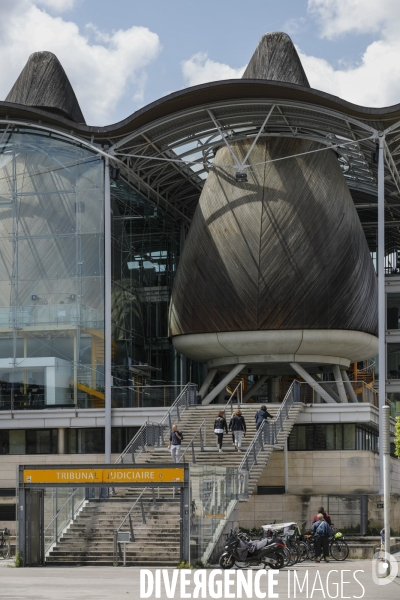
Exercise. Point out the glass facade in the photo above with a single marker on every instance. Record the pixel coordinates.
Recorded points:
(88, 440)
(146, 243)
(145, 252)
(393, 360)
(51, 271)
(52, 281)
(393, 311)
(333, 436)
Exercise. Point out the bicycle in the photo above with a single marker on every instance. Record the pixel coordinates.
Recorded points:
(4, 543)
(338, 548)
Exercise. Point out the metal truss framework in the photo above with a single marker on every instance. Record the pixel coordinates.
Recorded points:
(169, 159)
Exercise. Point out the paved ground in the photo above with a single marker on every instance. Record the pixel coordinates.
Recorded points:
(115, 583)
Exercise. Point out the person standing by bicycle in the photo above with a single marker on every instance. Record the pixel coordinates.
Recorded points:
(321, 511)
(322, 532)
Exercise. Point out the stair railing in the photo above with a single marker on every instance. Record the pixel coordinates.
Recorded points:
(191, 442)
(148, 434)
(239, 397)
(267, 434)
(63, 517)
(153, 434)
(130, 537)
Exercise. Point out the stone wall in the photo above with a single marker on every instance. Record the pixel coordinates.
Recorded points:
(262, 510)
(329, 472)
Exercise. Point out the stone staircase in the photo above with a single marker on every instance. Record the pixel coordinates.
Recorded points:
(89, 540)
(191, 420)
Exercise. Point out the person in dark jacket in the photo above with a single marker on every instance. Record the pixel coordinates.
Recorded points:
(238, 425)
(220, 427)
(322, 532)
(175, 441)
(321, 511)
(261, 416)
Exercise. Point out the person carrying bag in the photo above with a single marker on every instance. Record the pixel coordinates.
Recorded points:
(322, 532)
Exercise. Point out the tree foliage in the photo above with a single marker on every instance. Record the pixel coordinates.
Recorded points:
(397, 438)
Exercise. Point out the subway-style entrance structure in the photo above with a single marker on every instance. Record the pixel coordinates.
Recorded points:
(34, 480)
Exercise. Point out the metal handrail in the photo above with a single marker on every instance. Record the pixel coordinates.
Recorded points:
(60, 509)
(191, 442)
(75, 508)
(140, 439)
(159, 427)
(268, 433)
(370, 366)
(138, 499)
(128, 516)
(368, 392)
(238, 388)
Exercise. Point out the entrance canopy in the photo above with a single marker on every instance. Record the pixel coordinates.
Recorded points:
(44, 508)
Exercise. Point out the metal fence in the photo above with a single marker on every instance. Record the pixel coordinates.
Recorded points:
(154, 434)
(267, 434)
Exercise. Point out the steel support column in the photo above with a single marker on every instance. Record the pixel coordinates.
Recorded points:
(207, 382)
(339, 384)
(348, 386)
(107, 312)
(222, 384)
(316, 386)
(381, 293)
(255, 387)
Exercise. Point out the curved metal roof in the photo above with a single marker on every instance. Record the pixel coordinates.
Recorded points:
(167, 147)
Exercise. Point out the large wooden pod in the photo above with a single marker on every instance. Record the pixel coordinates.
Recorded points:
(276, 269)
(284, 251)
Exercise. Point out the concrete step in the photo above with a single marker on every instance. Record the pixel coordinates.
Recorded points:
(106, 551)
(108, 563)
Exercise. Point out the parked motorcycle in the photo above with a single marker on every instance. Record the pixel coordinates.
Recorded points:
(239, 548)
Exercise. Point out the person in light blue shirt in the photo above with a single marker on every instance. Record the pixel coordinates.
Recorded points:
(322, 532)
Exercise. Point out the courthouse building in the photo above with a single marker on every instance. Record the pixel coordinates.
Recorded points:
(223, 235)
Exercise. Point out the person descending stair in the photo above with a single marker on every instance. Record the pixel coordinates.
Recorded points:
(175, 441)
(237, 424)
(220, 427)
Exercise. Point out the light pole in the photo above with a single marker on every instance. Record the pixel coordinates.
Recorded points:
(381, 293)
(385, 443)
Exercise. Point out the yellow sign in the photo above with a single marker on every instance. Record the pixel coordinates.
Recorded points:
(104, 475)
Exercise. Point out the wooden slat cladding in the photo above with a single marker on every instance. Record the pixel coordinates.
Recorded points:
(284, 251)
(276, 59)
(43, 83)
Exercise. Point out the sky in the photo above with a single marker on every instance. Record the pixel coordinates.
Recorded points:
(124, 54)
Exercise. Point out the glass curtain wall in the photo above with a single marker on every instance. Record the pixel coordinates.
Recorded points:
(145, 253)
(51, 271)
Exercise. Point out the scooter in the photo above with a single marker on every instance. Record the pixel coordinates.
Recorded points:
(239, 548)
